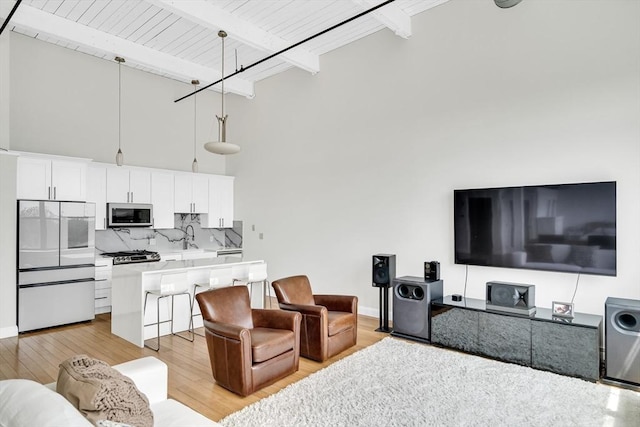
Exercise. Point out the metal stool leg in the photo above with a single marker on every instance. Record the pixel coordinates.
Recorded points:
(146, 295)
(190, 329)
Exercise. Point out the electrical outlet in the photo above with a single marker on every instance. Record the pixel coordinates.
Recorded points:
(152, 241)
(211, 238)
(261, 236)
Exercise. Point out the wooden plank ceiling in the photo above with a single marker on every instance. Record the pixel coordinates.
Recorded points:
(179, 39)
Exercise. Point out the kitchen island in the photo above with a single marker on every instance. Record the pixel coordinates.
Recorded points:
(130, 283)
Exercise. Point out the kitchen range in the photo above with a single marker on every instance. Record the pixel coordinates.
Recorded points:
(56, 263)
(128, 257)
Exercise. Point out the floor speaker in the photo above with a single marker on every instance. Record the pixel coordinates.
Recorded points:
(412, 298)
(622, 340)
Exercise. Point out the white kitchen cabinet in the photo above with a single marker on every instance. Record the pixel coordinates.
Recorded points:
(128, 185)
(97, 193)
(103, 286)
(191, 193)
(41, 178)
(162, 194)
(220, 213)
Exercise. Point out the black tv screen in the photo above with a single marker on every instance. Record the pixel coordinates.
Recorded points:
(567, 227)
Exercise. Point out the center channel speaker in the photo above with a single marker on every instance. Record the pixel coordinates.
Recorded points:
(622, 340)
(516, 298)
(412, 298)
(384, 270)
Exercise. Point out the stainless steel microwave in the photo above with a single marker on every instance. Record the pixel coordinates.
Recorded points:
(129, 215)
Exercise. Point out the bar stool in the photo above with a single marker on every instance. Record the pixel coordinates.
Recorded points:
(218, 278)
(255, 273)
(240, 275)
(171, 285)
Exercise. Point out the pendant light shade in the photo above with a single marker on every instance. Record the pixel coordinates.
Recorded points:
(119, 155)
(194, 165)
(222, 146)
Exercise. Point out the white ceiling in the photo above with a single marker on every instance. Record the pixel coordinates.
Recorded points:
(179, 39)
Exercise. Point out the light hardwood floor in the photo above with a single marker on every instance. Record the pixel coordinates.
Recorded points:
(37, 355)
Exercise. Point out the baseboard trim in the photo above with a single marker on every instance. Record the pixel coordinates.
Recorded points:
(9, 331)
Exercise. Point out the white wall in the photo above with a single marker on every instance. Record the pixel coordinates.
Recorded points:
(8, 213)
(65, 102)
(364, 157)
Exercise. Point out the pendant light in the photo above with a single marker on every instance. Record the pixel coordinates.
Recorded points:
(222, 146)
(119, 155)
(194, 165)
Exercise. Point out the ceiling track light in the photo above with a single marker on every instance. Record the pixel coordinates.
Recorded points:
(222, 146)
(194, 165)
(119, 155)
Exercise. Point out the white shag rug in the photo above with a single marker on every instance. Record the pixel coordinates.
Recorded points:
(398, 383)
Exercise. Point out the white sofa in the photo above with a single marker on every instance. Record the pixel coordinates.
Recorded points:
(28, 403)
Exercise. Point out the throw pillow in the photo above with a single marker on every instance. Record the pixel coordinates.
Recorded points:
(28, 403)
(102, 393)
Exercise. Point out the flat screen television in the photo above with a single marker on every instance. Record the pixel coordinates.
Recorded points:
(566, 227)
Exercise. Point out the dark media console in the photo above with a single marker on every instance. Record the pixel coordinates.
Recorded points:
(568, 347)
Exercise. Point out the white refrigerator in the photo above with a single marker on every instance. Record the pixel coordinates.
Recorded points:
(56, 263)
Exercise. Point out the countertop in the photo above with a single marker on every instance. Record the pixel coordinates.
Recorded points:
(192, 264)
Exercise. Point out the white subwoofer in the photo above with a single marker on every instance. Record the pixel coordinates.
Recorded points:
(622, 340)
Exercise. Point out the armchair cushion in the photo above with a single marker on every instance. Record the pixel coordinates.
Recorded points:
(268, 343)
(340, 321)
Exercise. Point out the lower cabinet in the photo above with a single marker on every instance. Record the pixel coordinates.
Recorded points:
(103, 288)
(568, 350)
(505, 337)
(568, 347)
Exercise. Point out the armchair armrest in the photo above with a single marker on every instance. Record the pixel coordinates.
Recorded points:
(347, 303)
(276, 319)
(150, 376)
(227, 330)
(312, 310)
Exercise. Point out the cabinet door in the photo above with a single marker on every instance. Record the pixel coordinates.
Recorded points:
(162, 190)
(69, 180)
(97, 193)
(505, 337)
(182, 193)
(34, 179)
(220, 202)
(200, 193)
(117, 185)
(566, 349)
(139, 186)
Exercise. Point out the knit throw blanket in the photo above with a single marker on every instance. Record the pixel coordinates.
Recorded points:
(102, 393)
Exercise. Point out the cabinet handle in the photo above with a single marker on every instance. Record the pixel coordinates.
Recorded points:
(54, 192)
(127, 197)
(49, 193)
(132, 197)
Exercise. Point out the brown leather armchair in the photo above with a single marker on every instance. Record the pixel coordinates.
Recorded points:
(329, 322)
(248, 348)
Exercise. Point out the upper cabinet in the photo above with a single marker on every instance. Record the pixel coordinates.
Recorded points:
(191, 193)
(97, 193)
(220, 202)
(128, 185)
(162, 194)
(43, 178)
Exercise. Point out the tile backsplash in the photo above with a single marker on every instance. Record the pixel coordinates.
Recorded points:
(187, 227)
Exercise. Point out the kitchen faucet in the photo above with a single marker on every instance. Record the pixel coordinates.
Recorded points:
(185, 242)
